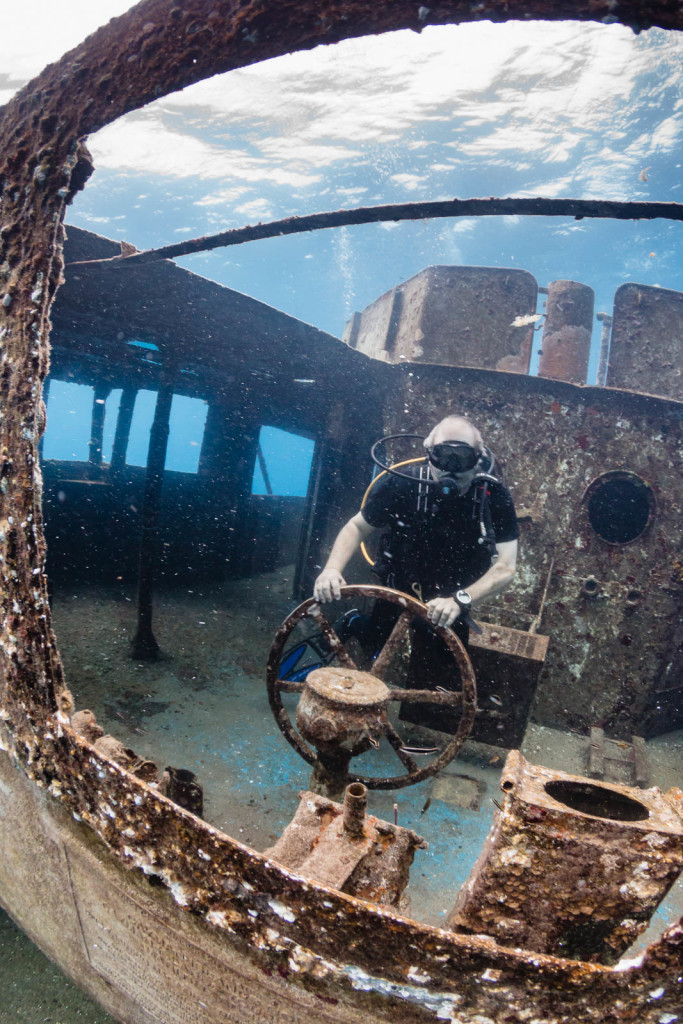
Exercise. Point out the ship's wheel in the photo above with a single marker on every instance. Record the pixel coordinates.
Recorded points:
(343, 711)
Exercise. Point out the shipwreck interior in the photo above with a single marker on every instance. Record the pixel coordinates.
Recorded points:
(197, 467)
(218, 802)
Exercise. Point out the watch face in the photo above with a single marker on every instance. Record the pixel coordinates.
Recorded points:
(463, 598)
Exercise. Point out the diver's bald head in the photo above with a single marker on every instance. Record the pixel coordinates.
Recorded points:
(455, 428)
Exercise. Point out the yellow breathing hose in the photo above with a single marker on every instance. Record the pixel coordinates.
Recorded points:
(397, 465)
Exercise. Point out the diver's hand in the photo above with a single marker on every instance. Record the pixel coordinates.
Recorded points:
(327, 586)
(443, 611)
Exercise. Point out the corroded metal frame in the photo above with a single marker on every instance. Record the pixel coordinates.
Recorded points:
(348, 952)
(577, 208)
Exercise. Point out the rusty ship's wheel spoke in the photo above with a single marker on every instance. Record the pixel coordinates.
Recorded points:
(338, 649)
(386, 655)
(451, 699)
(289, 685)
(398, 744)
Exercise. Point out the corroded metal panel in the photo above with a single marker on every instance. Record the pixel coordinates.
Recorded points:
(570, 866)
(507, 664)
(129, 945)
(339, 845)
(665, 709)
(197, 325)
(260, 944)
(33, 863)
(171, 972)
(646, 351)
(552, 439)
(371, 331)
(453, 316)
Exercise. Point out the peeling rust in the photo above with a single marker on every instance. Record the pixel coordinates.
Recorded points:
(338, 845)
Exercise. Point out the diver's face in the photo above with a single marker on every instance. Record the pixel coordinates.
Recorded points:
(456, 459)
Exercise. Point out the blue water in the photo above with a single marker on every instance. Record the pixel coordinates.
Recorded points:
(587, 111)
(287, 457)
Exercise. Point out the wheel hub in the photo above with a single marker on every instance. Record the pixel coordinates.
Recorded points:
(342, 709)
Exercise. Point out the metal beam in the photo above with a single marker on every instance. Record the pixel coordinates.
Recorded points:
(492, 207)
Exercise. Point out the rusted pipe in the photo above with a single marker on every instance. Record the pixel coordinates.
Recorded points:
(567, 332)
(355, 803)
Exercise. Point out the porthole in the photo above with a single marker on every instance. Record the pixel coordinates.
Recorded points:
(620, 506)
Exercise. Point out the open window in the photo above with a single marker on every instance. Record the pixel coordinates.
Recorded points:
(186, 425)
(69, 421)
(283, 463)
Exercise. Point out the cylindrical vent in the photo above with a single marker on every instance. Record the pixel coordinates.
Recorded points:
(567, 332)
(355, 802)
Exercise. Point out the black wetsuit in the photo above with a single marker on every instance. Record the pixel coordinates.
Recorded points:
(433, 538)
(432, 548)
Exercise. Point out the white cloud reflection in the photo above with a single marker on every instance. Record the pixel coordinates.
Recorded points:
(142, 145)
(429, 114)
(557, 105)
(37, 32)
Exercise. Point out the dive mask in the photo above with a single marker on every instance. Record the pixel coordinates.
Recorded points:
(453, 457)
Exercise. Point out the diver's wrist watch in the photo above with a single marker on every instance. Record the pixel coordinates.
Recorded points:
(464, 599)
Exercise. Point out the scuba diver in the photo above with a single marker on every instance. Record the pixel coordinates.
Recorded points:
(450, 538)
(452, 530)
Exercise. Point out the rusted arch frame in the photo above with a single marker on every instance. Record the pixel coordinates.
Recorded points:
(158, 47)
(465, 699)
(39, 132)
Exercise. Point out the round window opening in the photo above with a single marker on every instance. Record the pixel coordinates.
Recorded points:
(620, 506)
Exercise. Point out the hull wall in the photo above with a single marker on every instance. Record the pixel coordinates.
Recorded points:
(127, 944)
(124, 938)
